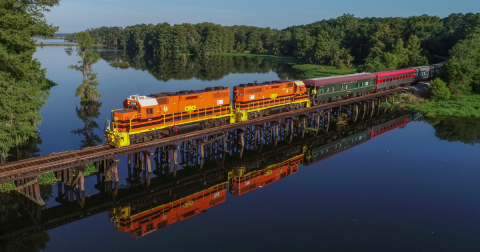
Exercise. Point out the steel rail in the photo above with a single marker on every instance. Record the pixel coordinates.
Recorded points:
(57, 161)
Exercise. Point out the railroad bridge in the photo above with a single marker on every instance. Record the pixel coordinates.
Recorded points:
(194, 148)
(203, 159)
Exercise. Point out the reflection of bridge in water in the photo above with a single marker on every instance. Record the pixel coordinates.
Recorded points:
(187, 178)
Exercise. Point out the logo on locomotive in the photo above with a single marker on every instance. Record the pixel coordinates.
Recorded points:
(190, 108)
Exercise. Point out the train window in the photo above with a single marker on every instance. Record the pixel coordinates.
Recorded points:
(328, 90)
(321, 91)
(149, 111)
(366, 83)
(346, 86)
(333, 89)
(353, 86)
(276, 86)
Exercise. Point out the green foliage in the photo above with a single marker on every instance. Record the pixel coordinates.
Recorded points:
(23, 83)
(6, 187)
(122, 64)
(88, 90)
(399, 56)
(460, 105)
(439, 90)
(386, 42)
(462, 71)
(315, 71)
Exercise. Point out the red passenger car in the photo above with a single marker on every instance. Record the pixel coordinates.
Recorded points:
(395, 78)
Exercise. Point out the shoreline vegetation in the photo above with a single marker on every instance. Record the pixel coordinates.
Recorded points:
(120, 64)
(68, 45)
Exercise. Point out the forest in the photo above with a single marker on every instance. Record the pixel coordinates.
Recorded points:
(376, 43)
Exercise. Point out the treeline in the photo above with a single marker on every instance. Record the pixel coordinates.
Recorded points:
(376, 43)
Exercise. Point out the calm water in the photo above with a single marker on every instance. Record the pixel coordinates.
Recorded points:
(412, 189)
(52, 41)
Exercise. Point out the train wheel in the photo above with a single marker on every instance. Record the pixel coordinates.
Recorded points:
(261, 113)
(217, 123)
(210, 124)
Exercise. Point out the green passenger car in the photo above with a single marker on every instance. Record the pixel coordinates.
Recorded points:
(333, 88)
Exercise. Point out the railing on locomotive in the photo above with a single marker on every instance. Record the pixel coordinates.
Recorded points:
(227, 108)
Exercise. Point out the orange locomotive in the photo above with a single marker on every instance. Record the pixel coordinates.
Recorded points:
(142, 223)
(149, 117)
(256, 100)
(253, 180)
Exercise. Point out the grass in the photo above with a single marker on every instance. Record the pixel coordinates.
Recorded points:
(47, 178)
(316, 71)
(460, 105)
(122, 64)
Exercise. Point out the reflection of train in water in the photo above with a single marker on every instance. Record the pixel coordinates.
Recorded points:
(318, 153)
(260, 178)
(139, 221)
(162, 209)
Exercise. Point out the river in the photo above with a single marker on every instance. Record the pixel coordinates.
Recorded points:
(413, 188)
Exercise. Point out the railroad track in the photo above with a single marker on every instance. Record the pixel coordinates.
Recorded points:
(57, 161)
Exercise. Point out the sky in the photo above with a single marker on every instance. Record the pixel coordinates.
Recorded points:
(75, 16)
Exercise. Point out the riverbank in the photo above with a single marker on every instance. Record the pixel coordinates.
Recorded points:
(459, 105)
(94, 46)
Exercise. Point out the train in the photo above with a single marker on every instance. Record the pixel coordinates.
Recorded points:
(148, 117)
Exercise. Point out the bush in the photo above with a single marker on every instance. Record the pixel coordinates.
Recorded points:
(439, 90)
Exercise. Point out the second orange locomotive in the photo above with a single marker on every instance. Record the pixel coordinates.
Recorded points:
(148, 117)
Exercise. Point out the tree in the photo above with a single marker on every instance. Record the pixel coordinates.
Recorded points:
(462, 70)
(23, 83)
(87, 91)
(439, 90)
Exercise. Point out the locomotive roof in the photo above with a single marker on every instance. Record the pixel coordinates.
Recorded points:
(338, 79)
(264, 83)
(187, 92)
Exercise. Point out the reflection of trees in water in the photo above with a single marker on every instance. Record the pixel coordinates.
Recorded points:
(465, 130)
(203, 68)
(27, 149)
(28, 243)
(10, 209)
(69, 50)
(88, 112)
